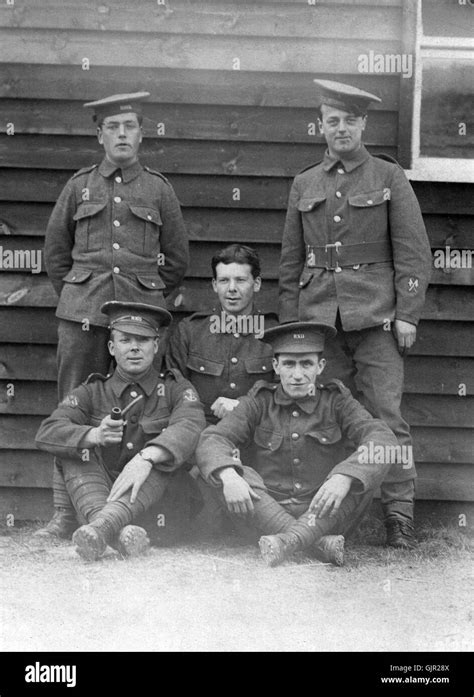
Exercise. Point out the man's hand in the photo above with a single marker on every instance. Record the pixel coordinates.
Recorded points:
(223, 405)
(330, 495)
(109, 432)
(237, 493)
(405, 334)
(132, 476)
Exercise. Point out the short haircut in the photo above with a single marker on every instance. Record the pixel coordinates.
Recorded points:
(319, 112)
(101, 119)
(115, 329)
(237, 254)
(320, 354)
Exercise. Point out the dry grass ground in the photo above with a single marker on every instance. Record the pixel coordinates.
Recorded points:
(219, 596)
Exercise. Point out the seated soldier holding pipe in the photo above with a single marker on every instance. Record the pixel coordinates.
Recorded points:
(121, 439)
(302, 491)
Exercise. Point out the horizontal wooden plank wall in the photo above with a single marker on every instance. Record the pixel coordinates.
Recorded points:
(225, 128)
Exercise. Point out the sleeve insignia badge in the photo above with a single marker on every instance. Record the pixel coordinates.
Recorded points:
(190, 395)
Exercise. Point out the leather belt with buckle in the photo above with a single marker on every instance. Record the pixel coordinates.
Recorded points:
(334, 256)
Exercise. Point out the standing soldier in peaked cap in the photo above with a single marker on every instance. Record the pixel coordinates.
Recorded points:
(355, 254)
(301, 491)
(116, 232)
(116, 468)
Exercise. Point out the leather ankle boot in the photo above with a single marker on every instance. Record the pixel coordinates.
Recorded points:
(276, 548)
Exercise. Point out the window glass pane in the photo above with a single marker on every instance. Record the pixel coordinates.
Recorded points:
(447, 102)
(447, 18)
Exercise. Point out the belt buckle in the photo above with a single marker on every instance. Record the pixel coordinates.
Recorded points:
(330, 258)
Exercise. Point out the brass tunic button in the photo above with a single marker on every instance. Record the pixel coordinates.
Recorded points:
(148, 217)
(117, 223)
(357, 266)
(369, 201)
(201, 368)
(296, 461)
(129, 446)
(338, 194)
(234, 360)
(337, 218)
(134, 394)
(295, 436)
(116, 269)
(134, 419)
(116, 245)
(338, 269)
(298, 485)
(233, 385)
(236, 336)
(117, 199)
(295, 413)
(118, 180)
(340, 171)
(323, 439)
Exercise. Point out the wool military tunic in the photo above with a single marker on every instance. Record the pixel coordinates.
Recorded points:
(114, 234)
(296, 444)
(354, 241)
(222, 363)
(169, 415)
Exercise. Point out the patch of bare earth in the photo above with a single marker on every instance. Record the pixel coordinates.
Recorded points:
(219, 596)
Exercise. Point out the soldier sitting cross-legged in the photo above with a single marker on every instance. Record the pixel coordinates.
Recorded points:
(299, 489)
(116, 468)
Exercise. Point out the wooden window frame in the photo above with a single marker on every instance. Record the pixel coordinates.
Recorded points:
(418, 167)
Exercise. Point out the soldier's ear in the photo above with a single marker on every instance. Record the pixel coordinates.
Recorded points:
(275, 366)
(111, 347)
(214, 285)
(320, 126)
(257, 284)
(99, 135)
(364, 122)
(156, 343)
(322, 365)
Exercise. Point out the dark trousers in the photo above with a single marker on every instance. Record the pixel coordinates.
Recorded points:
(369, 363)
(79, 354)
(271, 517)
(88, 485)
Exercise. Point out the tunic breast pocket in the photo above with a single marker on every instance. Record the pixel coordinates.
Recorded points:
(368, 215)
(144, 236)
(327, 435)
(313, 213)
(267, 440)
(258, 368)
(203, 366)
(89, 233)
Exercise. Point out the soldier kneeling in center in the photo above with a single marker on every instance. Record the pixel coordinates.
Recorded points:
(121, 439)
(302, 491)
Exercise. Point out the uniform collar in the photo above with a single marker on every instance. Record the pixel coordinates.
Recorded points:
(217, 309)
(147, 383)
(357, 159)
(106, 168)
(307, 404)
